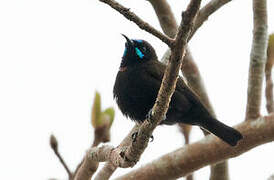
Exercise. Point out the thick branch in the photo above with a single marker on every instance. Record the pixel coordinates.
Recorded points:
(109, 167)
(186, 129)
(86, 168)
(189, 68)
(257, 59)
(165, 17)
(106, 171)
(138, 21)
(132, 153)
(209, 150)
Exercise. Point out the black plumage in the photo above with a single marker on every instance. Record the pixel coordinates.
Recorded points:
(137, 85)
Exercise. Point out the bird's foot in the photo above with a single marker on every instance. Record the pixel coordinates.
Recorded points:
(151, 138)
(135, 135)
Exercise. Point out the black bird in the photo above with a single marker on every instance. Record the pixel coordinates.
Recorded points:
(138, 82)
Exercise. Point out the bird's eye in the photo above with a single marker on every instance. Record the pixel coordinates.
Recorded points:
(144, 49)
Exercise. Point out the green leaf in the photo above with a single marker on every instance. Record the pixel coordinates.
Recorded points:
(110, 112)
(271, 40)
(96, 111)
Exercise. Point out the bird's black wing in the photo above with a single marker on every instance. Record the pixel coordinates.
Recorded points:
(186, 107)
(180, 104)
(184, 99)
(199, 108)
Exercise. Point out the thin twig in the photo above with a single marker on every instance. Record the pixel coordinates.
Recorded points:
(206, 11)
(207, 151)
(54, 147)
(257, 59)
(138, 21)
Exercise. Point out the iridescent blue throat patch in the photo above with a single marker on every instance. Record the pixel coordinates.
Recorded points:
(125, 51)
(138, 40)
(139, 53)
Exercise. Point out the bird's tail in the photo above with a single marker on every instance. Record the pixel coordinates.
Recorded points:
(224, 132)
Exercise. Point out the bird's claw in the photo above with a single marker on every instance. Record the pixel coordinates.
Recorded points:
(151, 138)
(135, 134)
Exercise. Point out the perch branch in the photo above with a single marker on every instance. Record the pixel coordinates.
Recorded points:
(138, 21)
(257, 59)
(106, 171)
(209, 150)
(129, 156)
(189, 68)
(86, 168)
(109, 167)
(185, 130)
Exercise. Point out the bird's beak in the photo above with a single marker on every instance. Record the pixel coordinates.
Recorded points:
(129, 42)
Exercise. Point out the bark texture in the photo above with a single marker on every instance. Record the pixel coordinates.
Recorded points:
(268, 75)
(257, 59)
(209, 150)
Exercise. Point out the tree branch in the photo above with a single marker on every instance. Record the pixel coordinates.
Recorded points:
(257, 59)
(185, 130)
(268, 75)
(138, 21)
(86, 169)
(269, 91)
(54, 147)
(106, 171)
(169, 26)
(101, 121)
(189, 68)
(206, 11)
(109, 167)
(129, 156)
(165, 17)
(209, 150)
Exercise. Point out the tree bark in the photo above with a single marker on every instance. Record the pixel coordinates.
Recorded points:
(257, 59)
(209, 150)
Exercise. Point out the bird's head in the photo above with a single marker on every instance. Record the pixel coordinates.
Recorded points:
(136, 52)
